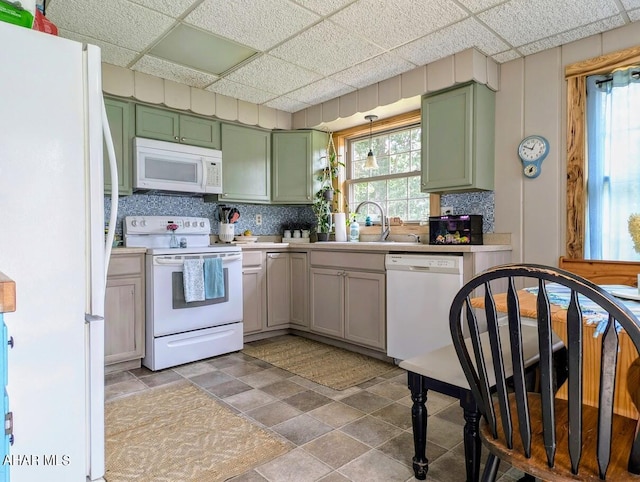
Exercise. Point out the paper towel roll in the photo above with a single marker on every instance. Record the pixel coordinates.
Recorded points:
(340, 220)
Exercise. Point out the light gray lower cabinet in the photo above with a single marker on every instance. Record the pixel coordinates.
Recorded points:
(348, 297)
(287, 290)
(124, 310)
(254, 291)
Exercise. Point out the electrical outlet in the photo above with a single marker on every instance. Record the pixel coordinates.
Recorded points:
(259, 219)
(446, 210)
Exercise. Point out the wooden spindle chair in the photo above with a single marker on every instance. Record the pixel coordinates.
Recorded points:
(538, 433)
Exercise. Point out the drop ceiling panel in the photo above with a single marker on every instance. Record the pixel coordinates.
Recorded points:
(286, 104)
(258, 24)
(320, 91)
(239, 91)
(572, 35)
(111, 54)
(374, 70)
(201, 50)
(455, 38)
(521, 22)
(634, 15)
(324, 7)
(117, 22)
(169, 70)
(390, 23)
(273, 75)
(326, 48)
(631, 4)
(175, 8)
(480, 5)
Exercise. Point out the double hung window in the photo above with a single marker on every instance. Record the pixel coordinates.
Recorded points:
(612, 228)
(395, 184)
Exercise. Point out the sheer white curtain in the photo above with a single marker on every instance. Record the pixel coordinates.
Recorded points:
(613, 174)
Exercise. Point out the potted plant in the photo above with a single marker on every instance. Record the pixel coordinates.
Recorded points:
(322, 211)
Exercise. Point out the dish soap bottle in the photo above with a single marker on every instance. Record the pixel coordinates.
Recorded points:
(354, 230)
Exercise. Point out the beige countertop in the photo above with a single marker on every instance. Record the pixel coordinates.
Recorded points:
(123, 250)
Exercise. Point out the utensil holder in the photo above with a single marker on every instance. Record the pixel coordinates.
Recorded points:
(226, 232)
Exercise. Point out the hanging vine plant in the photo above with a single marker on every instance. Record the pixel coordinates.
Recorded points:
(329, 175)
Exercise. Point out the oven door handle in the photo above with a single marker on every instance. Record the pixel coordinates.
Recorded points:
(180, 262)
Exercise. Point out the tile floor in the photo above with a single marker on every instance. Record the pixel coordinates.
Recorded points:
(359, 434)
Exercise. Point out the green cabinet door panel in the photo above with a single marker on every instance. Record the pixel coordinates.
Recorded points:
(296, 162)
(246, 164)
(167, 125)
(458, 139)
(120, 116)
(197, 131)
(160, 124)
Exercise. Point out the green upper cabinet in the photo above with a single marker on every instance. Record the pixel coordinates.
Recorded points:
(166, 125)
(297, 158)
(120, 115)
(246, 164)
(458, 128)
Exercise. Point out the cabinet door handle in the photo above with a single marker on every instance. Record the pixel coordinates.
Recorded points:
(182, 139)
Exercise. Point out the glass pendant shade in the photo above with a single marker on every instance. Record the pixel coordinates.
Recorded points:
(371, 162)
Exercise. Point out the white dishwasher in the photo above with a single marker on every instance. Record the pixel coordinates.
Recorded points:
(420, 289)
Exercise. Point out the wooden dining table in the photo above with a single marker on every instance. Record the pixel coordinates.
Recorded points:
(628, 365)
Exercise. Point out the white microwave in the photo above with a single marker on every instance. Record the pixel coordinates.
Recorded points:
(169, 166)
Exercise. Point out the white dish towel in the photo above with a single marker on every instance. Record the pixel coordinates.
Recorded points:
(193, 280)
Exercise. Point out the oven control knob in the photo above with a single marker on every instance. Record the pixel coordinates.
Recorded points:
(134, 222)
(143, 223)
(202, 224)
(187, 224)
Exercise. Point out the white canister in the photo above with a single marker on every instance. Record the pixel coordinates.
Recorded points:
(225, 232)
(340, 222)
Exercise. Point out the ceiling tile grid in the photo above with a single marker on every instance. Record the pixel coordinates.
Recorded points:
(117, 22)
(450, 40)
(572, 35)
(521, 22)
(326, 48)
(320, 91)
(311, 51)
(273, 75)
(172, 71)
(390, 23)
(240, 91)
(260, 25)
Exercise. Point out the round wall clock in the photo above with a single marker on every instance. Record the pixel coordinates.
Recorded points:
(532, 151)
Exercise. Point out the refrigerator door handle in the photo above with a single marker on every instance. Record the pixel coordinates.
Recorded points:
(113, 167)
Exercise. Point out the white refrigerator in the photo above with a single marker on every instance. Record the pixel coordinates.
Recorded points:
(52, 244)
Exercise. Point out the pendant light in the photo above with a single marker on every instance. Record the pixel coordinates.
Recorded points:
(370, 163)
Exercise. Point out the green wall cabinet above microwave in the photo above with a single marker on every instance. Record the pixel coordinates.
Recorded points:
(121, 118)
(458, 126)
(167, 125)
(297, 158)
(246, 164)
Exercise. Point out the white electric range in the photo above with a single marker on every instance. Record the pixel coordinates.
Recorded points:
(177, 331)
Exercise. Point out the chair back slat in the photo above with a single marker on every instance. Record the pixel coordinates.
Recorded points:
(475, 368)
(574, 340)
(485, 387)
(608, 368)
(546, 372)
(498, 365)
(517, 359)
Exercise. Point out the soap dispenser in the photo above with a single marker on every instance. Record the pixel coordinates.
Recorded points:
(354, 230)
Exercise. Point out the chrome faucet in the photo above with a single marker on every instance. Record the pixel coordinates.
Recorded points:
(384, 232)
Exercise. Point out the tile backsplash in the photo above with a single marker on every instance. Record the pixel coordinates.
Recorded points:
(481, 202)
(274, 217)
